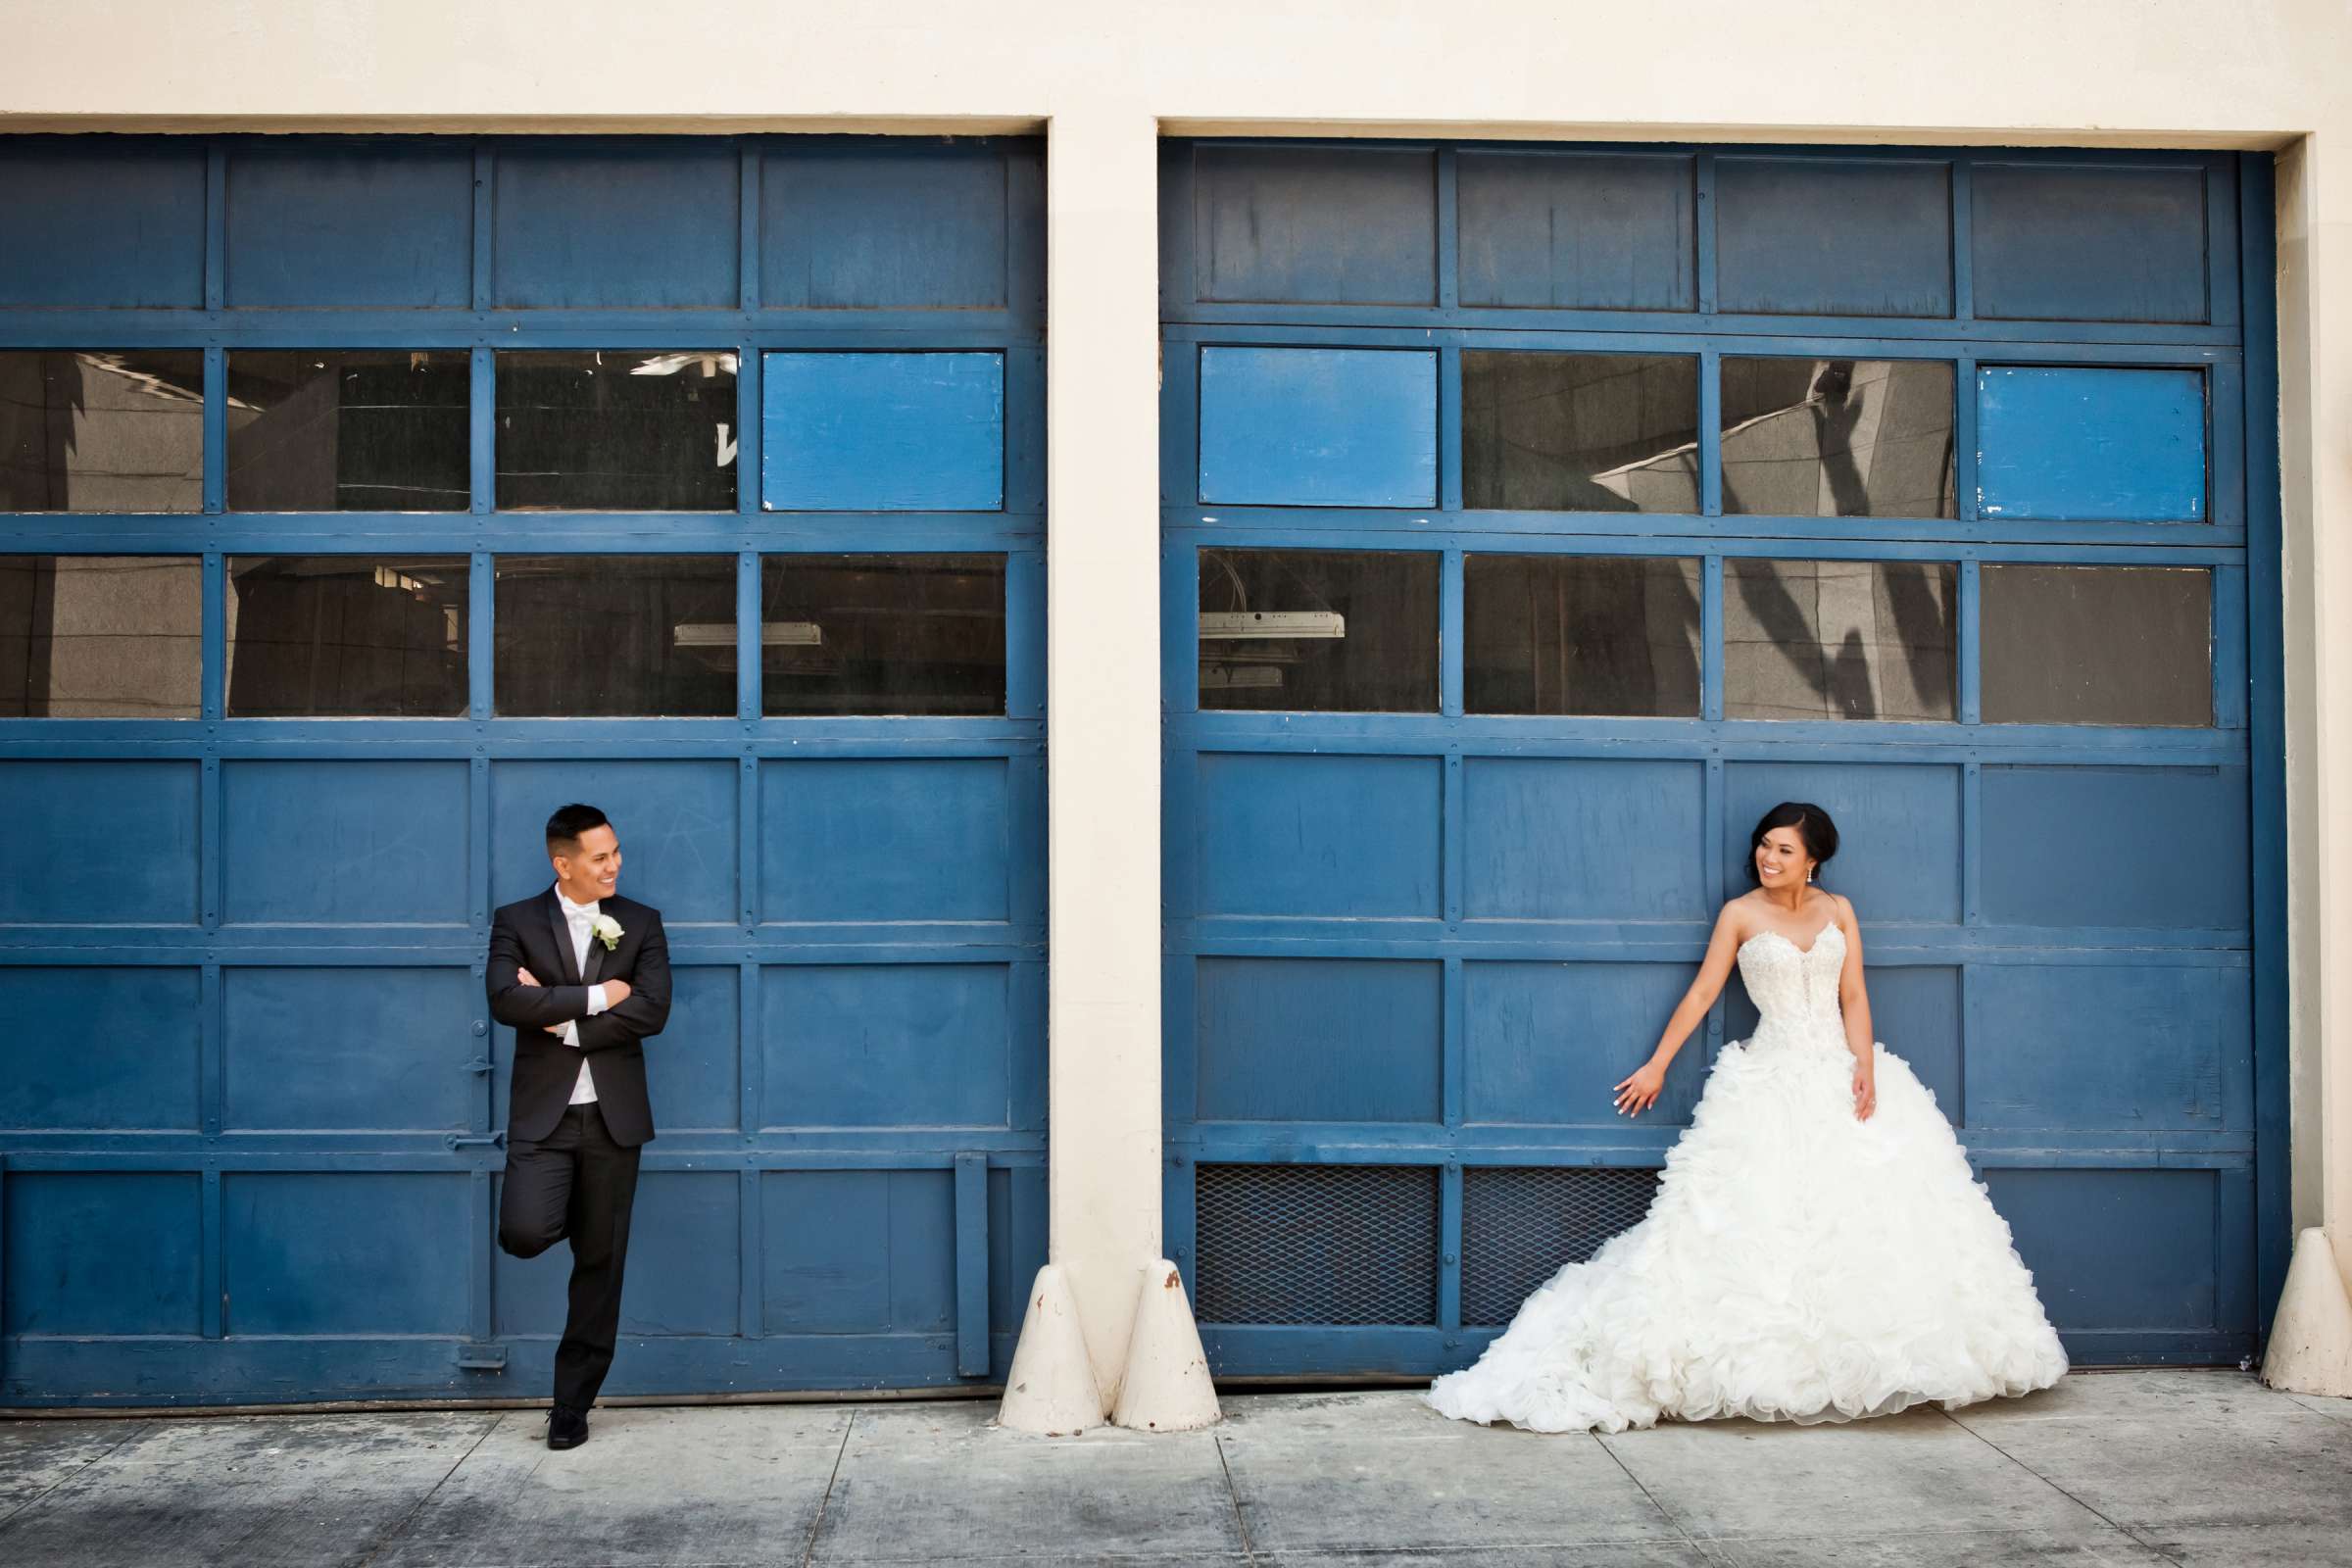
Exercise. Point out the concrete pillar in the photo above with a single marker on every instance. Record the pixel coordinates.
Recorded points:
(1103, 746)
(2311, 1343)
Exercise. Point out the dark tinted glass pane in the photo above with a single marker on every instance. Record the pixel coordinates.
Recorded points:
(349, 430)
(346, 637)
(878, 634)
(100, 636)
(102, 432)
(1319, 630)
(615, 636)
(2097, 645)
(1837, 438)
(1580, 634)
(593, 430)
(1837, 639)
(1580, 432)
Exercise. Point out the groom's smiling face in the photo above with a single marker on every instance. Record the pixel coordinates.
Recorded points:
(592, 871)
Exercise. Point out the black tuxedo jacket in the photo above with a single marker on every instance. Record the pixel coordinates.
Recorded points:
(533, 935)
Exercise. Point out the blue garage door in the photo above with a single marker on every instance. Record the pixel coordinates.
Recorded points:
(1535, 516)
(367, 499)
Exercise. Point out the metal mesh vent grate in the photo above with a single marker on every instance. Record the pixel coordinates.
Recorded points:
(1521, 1223)
(1316, 1243)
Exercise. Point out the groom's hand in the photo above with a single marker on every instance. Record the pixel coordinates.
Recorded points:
(617, 991)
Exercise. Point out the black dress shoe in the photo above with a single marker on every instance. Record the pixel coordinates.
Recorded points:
(566, 1427)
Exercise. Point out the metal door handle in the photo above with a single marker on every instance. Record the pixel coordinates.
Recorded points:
(496, 1140)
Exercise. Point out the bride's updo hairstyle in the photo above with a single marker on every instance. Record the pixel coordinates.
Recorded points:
(1812, 824)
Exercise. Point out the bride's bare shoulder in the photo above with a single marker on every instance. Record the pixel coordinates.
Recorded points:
(1739, 915)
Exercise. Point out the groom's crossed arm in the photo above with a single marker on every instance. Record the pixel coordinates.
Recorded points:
(645, 1010)
(517, 998)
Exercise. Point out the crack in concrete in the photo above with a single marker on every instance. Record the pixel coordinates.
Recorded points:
(138, 1429)
(2117, 1525)
(395, 1532)
(816, 1526)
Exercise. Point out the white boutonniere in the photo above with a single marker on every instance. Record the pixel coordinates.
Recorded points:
(606, 930)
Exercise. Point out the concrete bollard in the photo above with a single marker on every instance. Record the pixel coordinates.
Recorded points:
(1052, 1388)
(1167, 1387)
(2311, 1339)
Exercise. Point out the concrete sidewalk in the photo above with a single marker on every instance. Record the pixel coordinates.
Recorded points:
(2186, 1467)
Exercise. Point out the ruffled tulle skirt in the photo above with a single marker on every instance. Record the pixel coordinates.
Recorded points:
(1795, 1265)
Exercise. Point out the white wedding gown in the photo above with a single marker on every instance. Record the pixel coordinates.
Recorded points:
(1798, 1263)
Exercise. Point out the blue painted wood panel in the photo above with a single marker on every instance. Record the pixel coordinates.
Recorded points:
(347, 841)
(400, 1064)
(1590, 231)
(684, 1235)
(859, 1251)
(102, 220)
(882, 433)
(2117, 847)
(2060, 443)
(873, 223)
(693, 1069)
(879, 1044)
(118, 842)
(102, 1252)
(1575, 839)
(1340, 226)
(1898, 826)
(350, 222)
(2127, 1046)
(592, 223)
(1356, 837)
(111, 1049)
(1017, 1243)
(2115, 1249)
(676, 817)
(1318, 427)
(2122, 243)
(1542, 1043)
(885, 840)
(344, 1251)
(1815, 236)
(1317, 1039)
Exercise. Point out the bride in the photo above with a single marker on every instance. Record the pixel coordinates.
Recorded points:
(1818, 1250)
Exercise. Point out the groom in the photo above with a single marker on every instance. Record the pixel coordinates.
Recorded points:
(577, 1113)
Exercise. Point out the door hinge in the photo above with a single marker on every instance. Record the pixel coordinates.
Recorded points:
(497, 1139)
(482, 1357)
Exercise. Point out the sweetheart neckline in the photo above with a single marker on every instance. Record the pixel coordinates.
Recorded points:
(1805, 951)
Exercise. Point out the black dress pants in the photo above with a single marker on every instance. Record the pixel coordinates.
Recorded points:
(576, 1182)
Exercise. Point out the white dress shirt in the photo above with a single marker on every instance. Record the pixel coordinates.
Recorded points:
(580, 917)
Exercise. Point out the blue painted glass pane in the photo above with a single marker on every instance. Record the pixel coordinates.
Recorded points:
(1580, 634)
(1577, 232)
(1319, 428)
(1824, 237)
(615, 636)
(1838, 639)
(2062, 442)
(349, 430)
(596, 430)
(882, 634)
(102, 432)
(1321, 630)
(883, 432)
(2097, 645)
(2088, 244)
(100, 636)
(1353, 225)
(1580, 432)
(1837, 438)
(346, 637)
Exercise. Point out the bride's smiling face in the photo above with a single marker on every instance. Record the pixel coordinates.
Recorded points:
(1782, 860)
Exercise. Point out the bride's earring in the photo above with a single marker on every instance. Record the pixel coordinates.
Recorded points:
(1811, 872)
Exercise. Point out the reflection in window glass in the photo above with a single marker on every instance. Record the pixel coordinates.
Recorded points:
(346, 637)
(349, 430)
(102, 432)
(1580, 432)
(2097, 645)
(1837, 438)
(614, 636)
(876, 634)
(1319, 630)
(1838, 639)
(1580, 634)
(594, 430)
(100, 636)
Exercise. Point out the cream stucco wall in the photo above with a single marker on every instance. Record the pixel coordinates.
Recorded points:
(1106, 79)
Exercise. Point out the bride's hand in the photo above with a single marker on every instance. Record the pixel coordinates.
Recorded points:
(1866, 1090)
(1637, 1093)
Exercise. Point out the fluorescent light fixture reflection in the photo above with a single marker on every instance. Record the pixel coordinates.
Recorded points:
(772, 634)
(1257, 625)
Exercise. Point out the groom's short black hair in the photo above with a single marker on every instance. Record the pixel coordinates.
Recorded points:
(563, 829)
